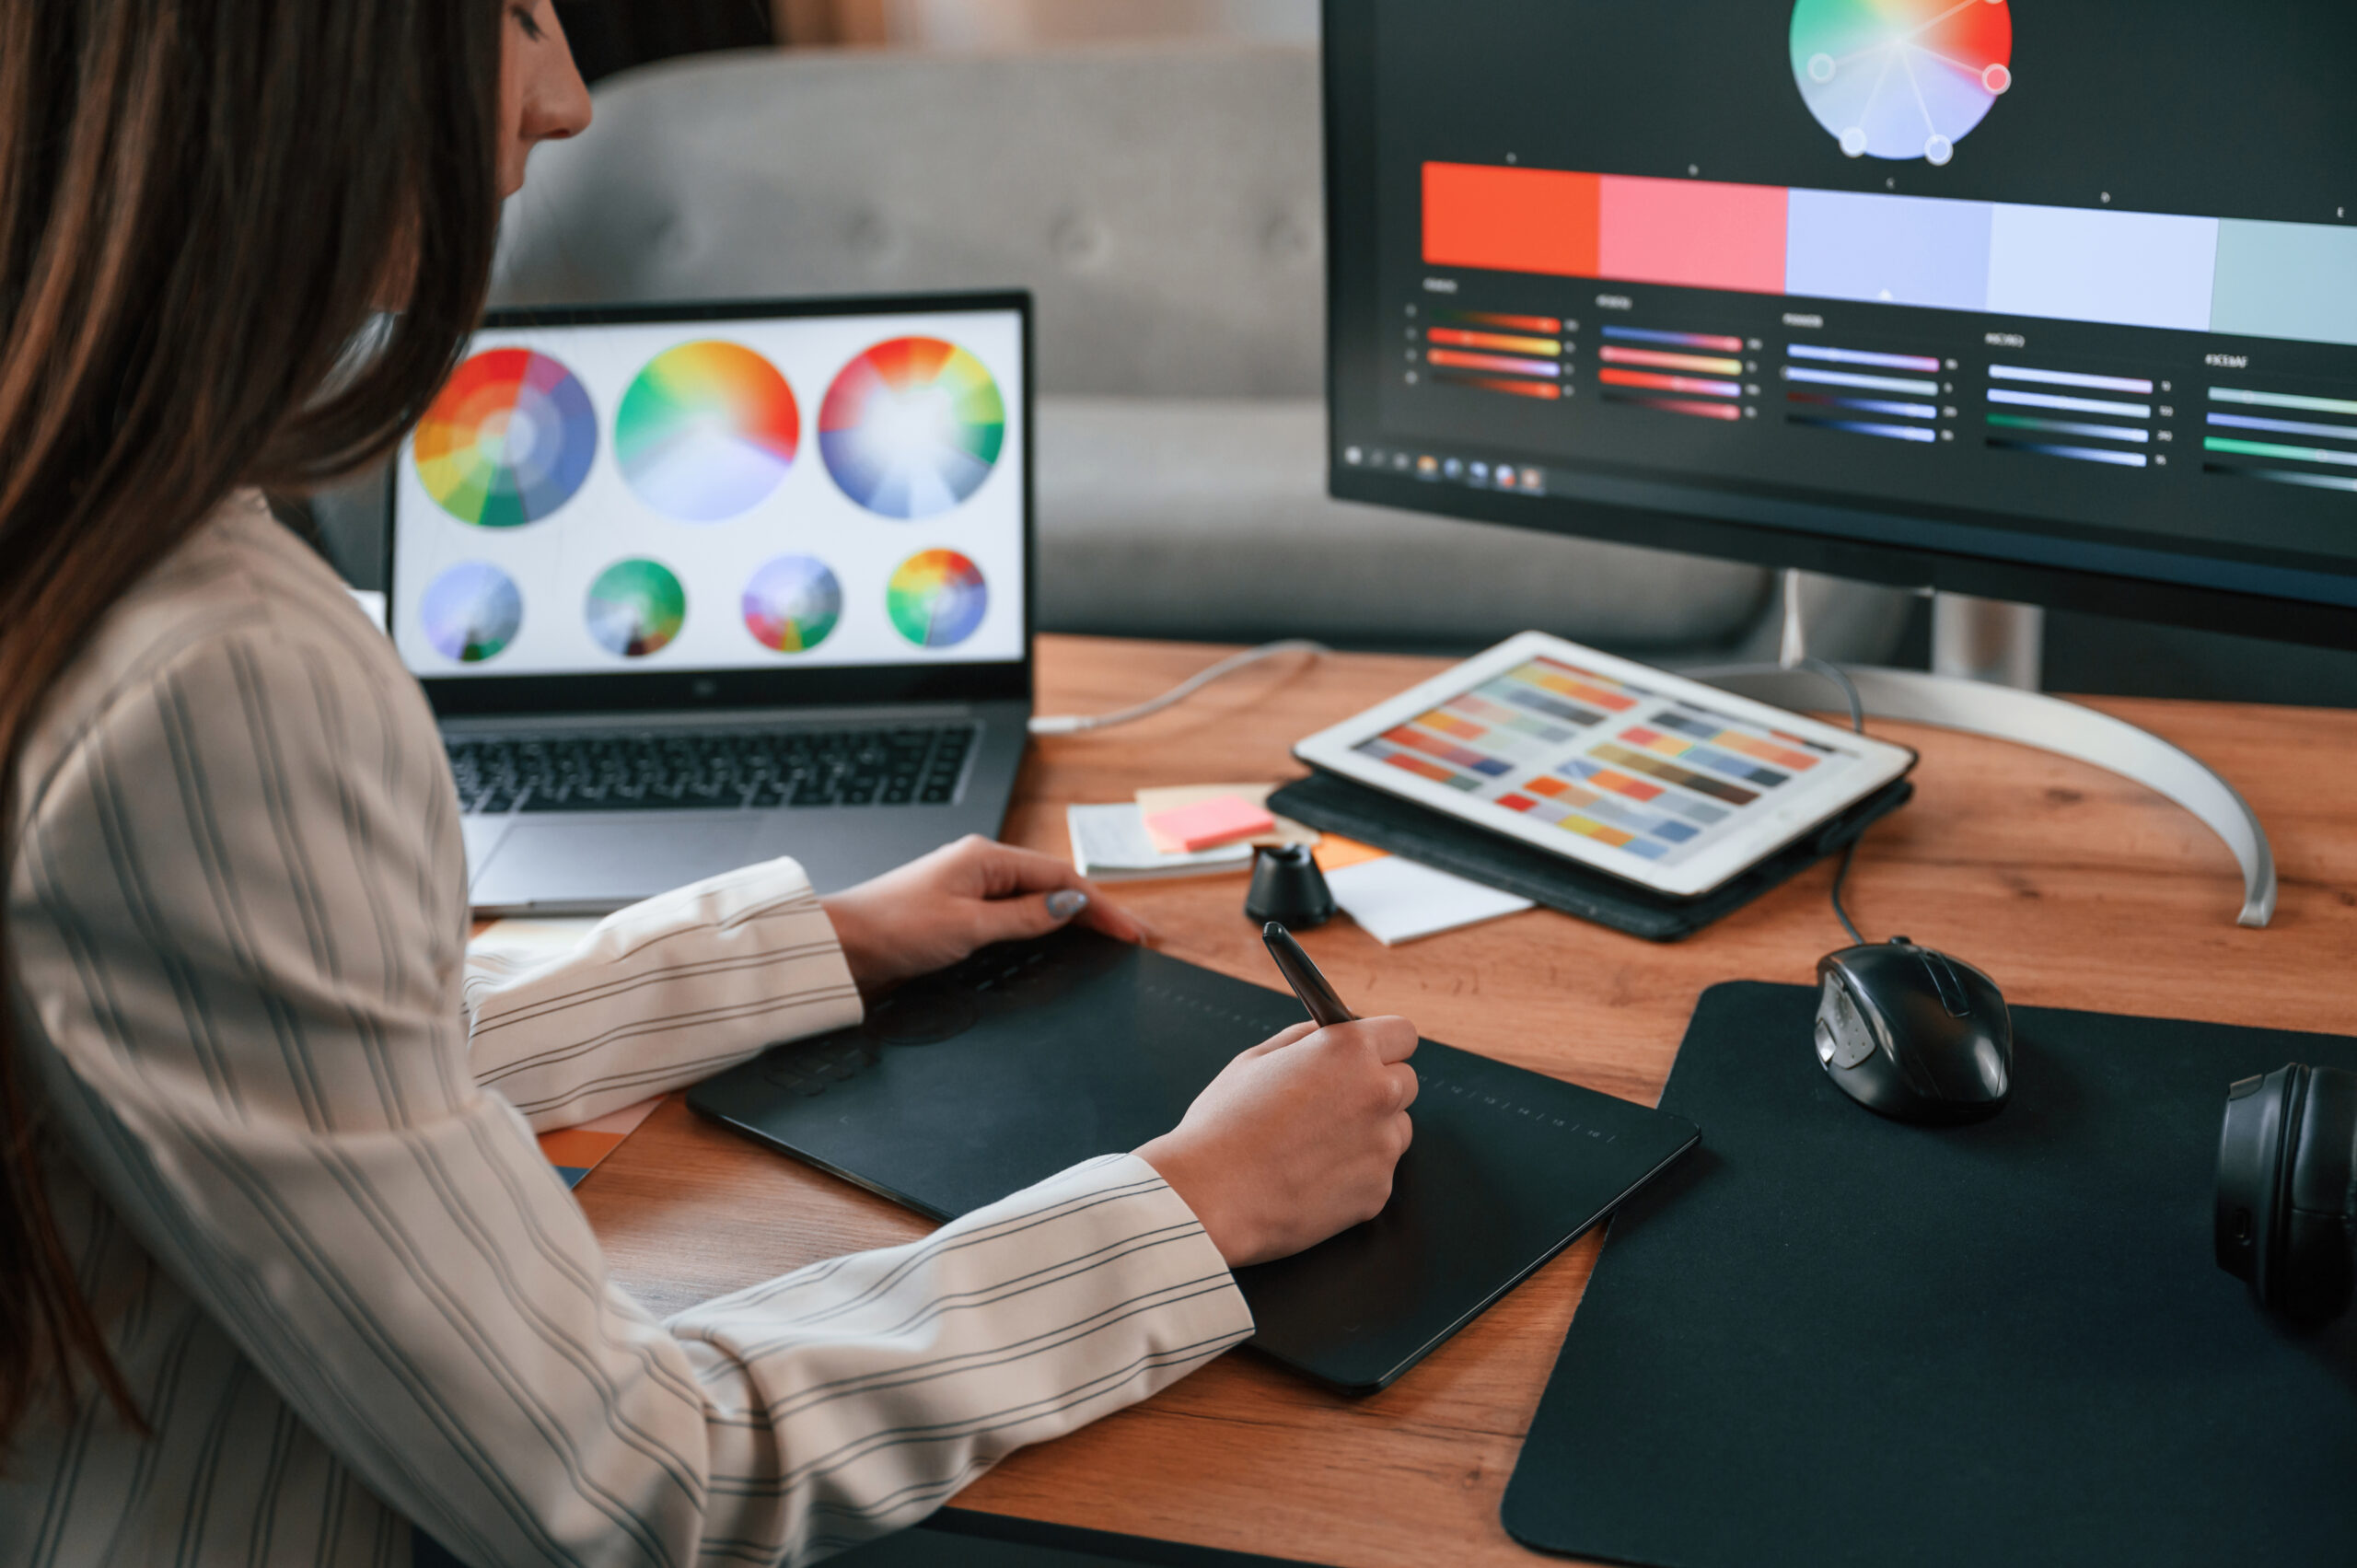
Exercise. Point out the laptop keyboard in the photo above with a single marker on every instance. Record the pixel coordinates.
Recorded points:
(730, 770)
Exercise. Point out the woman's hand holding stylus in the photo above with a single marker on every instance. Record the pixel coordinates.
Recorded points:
(1296, 1139)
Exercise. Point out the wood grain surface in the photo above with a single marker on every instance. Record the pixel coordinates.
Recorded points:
(2072, 887)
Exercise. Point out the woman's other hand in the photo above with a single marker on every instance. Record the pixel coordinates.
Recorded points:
(933, 912)
(1296, 1139)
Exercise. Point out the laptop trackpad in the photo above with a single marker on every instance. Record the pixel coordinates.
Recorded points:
(551, 863)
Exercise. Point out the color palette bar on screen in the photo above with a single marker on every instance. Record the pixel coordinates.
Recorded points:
(2284, 426)
(2282, 399)
(1702, 755)
(1504, 343)
(2273, 449)
(2069, 405)
(1407, 761)
(1865, 427)
(1547, 390)
(1659, 383)
(1434, 746)
(2071, 427)
(1864, 405)
(1459, 360)
(2103, 265)
(1707, 364)
(1564, 684)
(1499, 320)
(2071, 378)
(1719, 341)
(1861, 356)
(1670, 773)
(1677, 405)
(1864, 383)
(1790, 758)
(2078, 453)
(2282, 476)
(1592, 771)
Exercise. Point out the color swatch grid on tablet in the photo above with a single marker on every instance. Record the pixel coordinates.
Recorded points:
(1607, 760)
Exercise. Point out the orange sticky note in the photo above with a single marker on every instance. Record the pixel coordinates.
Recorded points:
(1215, 821)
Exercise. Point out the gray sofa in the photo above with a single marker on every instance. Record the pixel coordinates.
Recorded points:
(1163, 205)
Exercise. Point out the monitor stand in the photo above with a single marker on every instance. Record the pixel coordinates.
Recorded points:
(1983, 680)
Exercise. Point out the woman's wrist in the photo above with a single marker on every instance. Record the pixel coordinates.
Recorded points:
(1201, 1191)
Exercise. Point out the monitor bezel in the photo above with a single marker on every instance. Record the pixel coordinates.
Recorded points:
(1348, 73)
(688, 690)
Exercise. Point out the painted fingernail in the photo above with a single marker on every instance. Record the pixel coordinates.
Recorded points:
(1066, 903)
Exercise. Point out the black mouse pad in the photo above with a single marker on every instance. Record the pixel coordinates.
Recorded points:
(1024, 1060)
(1830, 1339)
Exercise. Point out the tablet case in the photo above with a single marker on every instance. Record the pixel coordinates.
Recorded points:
(1831, 1339)
(1337, 804)
(1026, 1059)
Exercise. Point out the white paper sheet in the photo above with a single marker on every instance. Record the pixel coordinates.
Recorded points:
(1397, 900)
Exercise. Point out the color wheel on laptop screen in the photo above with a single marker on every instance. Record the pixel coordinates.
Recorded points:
(1901, 78)
(792, 603)
(636, 608)
(507, 440)
(471, 611)
(706, 431)
(911, 427)
(936, 598)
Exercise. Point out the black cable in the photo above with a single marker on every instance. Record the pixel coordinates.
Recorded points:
(1833, 672)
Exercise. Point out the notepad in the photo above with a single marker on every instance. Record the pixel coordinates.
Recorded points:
(1109, 844)
(1397, 900)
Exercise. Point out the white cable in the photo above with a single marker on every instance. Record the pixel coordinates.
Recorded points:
(1074, 724)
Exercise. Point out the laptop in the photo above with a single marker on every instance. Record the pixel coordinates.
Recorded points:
(694, 585)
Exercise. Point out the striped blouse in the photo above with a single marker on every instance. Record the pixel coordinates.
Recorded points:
(290, 1147)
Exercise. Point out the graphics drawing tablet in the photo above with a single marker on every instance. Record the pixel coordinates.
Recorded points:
(1026, 1059)
(1644, 776)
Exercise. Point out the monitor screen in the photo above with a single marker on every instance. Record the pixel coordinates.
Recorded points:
(744, 494)
(2048, 300)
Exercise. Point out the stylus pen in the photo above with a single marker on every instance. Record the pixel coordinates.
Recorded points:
(1302, 975)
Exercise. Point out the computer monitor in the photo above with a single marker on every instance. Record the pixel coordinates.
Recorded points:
(2053, 303)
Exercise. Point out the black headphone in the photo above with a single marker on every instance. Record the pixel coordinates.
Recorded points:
(2287, 1189)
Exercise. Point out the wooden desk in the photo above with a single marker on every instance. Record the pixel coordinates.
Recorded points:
(2071, 887)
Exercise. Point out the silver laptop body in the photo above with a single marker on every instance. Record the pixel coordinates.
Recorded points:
(692, 586)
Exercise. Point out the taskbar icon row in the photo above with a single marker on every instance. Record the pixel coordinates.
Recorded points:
(1523, 479)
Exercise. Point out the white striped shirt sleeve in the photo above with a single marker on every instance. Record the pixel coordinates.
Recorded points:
(237, 915)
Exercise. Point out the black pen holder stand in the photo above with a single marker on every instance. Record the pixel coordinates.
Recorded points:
(1288, 887)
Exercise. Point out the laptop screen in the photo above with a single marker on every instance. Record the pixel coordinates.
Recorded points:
(718, 491)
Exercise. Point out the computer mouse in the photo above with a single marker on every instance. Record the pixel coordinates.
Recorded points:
(1913, 1034)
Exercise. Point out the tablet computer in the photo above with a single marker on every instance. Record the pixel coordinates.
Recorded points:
(1644, 776)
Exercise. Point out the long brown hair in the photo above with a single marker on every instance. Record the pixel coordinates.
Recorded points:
(204, 206)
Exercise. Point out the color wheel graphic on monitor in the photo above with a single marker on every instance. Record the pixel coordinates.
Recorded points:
(936, 598)
(508, 441)
(792, 603)
(911, 427)
(471, 611)
(636, 608)
(706, 431)
(1901, 78)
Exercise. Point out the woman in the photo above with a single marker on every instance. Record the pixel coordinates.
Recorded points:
(280, 1270)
